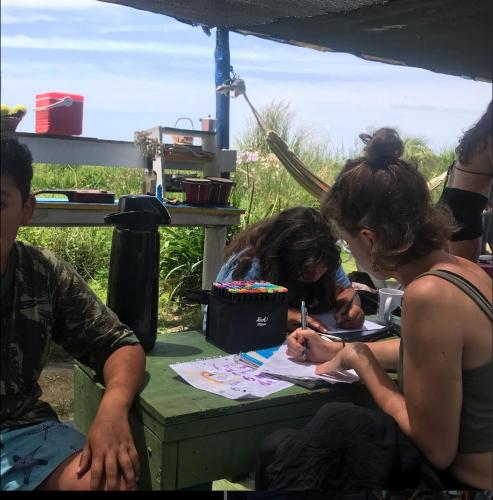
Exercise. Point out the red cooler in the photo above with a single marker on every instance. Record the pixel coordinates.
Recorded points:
(59, 113)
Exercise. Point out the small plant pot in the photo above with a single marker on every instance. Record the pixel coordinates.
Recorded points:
(197, 191)
(9, 125)
(221, 190)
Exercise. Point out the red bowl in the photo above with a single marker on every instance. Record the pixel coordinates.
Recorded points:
(197, 191)
(221, 190)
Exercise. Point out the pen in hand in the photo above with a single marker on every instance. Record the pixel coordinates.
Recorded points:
(303, 327)
(346, 308)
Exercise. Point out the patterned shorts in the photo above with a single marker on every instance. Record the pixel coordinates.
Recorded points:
(29, 454)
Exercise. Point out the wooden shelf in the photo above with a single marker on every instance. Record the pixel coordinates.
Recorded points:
(184, 131)
(56, 149)
(63, 213)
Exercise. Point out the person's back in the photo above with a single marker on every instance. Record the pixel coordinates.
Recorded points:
(458, 313)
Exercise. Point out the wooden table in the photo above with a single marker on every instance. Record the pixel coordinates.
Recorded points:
(186, 436)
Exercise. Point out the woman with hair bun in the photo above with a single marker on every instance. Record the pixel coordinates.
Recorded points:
(434, 428)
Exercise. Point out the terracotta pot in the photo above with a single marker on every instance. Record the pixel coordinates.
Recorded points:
(8, 125)
(221, 190)
(197, 191)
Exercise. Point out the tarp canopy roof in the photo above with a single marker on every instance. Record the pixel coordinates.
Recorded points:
(446, 36)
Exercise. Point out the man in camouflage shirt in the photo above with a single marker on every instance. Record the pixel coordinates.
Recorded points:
(43, 299)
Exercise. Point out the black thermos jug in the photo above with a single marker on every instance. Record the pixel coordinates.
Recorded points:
(133, 284)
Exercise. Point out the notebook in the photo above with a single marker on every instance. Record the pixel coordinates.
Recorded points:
(257, 358)
(280, 365)
(370, 330)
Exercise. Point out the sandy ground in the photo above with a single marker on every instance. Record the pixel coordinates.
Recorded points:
(57, 383)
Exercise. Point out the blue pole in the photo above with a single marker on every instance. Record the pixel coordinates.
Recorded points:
(222, 60)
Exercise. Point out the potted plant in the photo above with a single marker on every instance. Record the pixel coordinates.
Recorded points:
(10, 118)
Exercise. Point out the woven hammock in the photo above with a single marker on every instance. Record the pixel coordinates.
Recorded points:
(303, 176)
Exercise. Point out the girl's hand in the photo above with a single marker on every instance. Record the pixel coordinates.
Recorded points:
(319, 350)
(294, 321)
(354, 318)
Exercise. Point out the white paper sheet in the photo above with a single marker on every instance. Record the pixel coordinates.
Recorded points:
(329, 320)
(229, 378)
(280, 364)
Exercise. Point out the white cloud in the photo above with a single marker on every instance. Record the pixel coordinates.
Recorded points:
(204, 50)
(147, 28)
(104, 45)
(27, 19)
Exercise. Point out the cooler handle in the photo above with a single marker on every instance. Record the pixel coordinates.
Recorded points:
(66, 101)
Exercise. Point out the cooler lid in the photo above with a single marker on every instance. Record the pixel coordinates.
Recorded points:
(59, 95)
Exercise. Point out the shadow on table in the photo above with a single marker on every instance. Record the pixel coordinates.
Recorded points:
(170, 350)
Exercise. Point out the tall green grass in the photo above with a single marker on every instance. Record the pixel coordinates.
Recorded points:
(263, 188)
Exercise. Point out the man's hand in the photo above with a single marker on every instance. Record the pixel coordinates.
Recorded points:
(294, 321)
(109, 453)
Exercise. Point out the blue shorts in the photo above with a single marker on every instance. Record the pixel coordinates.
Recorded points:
(30, 453)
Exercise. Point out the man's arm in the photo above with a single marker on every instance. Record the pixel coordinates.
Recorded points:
(109, 450)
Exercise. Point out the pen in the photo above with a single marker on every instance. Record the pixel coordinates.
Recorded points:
(303, 326)
(347, 306)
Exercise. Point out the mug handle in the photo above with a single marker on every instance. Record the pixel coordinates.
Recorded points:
(386, 309)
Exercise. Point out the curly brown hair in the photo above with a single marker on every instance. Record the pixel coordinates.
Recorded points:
(388, 195)
(285, 245)
(476, 138)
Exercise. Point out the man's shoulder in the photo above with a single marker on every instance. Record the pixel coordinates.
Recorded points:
(36, 254)
(40, 257)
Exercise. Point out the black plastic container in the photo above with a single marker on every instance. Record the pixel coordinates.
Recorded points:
(133, 283)
(246, 324)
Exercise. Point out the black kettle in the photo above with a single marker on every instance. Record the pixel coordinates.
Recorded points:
(133, 283)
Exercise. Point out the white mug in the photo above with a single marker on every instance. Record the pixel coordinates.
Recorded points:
(388, 300)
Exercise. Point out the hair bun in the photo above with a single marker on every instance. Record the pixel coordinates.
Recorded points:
(382, 148)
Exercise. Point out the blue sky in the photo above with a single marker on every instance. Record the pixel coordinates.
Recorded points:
(138, 69)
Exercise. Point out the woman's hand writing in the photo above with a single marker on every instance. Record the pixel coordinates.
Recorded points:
(319, 350)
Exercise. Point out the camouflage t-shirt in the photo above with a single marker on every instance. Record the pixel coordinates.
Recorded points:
(44, 299)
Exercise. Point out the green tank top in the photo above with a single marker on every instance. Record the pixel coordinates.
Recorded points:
(476, 421)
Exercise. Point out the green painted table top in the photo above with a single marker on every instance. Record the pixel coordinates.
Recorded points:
(171, 402)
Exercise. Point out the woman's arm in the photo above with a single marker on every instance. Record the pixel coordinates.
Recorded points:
(385, 352)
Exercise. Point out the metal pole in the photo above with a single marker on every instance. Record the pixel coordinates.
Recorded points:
(222, 60)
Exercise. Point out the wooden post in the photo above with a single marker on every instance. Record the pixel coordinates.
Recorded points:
(214, 243)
